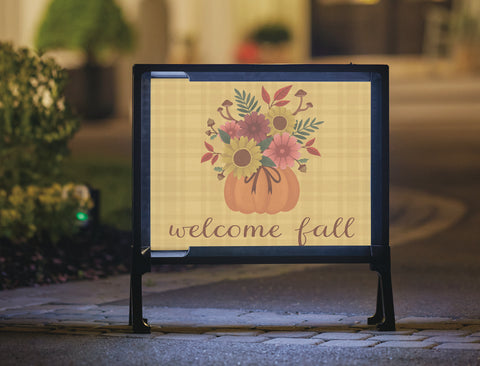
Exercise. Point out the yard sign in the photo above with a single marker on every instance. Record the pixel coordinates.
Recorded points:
(261, 164)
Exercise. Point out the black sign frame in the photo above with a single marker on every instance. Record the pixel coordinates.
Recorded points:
(376, 253)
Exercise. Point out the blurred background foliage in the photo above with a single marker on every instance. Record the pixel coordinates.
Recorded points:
(36, 123)
(95, 27)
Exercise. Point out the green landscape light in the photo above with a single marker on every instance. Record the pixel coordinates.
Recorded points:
(82, 216)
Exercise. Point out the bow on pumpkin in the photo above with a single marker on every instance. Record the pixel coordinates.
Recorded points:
(268, 174)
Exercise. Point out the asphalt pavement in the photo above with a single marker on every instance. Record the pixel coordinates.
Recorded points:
(298, 314)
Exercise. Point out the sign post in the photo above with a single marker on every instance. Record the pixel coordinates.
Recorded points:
(261, 164)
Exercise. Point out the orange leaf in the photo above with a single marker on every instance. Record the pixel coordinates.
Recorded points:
(310, 143)
(206, 157)
(282, 103)
(313, 151)
(282, 93)
(265, 96)
(208, 146)
(214, 159)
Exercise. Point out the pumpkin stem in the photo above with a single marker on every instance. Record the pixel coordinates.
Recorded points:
(269, 176)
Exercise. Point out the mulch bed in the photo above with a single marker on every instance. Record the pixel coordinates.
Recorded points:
(91, 254)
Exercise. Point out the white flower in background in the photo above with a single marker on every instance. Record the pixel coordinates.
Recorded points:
(34, 82)
(61, 104)
(47, 99)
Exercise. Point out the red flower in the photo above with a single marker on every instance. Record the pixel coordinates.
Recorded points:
(254, 126)
(283, 150)
(232, 128)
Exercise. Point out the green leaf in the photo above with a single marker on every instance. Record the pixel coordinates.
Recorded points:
(258, 109)
(302, 161)
(220, 169)
(266, 161)
(213, 137)
(246, 103)
(299, 126)
(303, 129)
(224, 136)
(265, 143)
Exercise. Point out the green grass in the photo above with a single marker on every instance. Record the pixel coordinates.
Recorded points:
(113, 177)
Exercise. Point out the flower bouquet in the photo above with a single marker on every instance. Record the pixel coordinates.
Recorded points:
(259, 150)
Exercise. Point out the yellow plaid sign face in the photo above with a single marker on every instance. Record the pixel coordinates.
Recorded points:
(259, 163)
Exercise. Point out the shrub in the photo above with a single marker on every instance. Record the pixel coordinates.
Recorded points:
(47, 213)
(271, 33)
(35, 122)
(95, 27)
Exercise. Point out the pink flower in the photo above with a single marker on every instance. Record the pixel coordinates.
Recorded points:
(232, 128)
(255, 126)
(283, 150)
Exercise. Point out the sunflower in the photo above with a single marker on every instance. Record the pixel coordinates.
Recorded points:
(281, 120)
(242, 157)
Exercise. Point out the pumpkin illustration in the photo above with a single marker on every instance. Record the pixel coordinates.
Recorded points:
(269, 190)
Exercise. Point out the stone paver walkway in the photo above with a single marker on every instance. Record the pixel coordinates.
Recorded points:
(227, 325)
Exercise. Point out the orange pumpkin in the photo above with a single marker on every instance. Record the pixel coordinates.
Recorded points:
(269, 190)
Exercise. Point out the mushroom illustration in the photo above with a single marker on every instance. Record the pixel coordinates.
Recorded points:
(301, 93)
(227, 104)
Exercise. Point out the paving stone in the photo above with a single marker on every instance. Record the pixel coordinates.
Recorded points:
(453, 339)
(343, 336)
(347, 343)
(319, 320)
(429, 323)
(294, 341)
(388, 332)
(355, 321)
(475, 334)
(241, 339)
(441, 332)
(341, 329)
(466, 346)
(393, 337)
(407, 344)
(290, 334)
(282, 328)
(188, 330)
(235, 332)
(186, 337)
